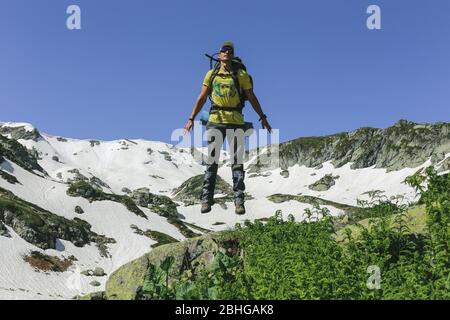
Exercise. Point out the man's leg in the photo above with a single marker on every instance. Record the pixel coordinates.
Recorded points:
(238, 183)
(209, 183)
(215, 140)
(236, 141)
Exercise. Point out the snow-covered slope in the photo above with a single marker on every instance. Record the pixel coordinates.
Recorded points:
(120, 166)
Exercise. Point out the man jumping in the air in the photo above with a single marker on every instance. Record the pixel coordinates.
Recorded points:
(229, 86)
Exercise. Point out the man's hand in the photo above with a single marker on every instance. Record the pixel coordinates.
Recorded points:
(188, 126)
(255, 104)
(197, 107)
(266, 125)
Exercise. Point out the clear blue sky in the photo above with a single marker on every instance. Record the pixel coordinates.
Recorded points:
(136, 67)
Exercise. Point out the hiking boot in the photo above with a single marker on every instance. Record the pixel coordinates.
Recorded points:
(240, 209)
(206, 207)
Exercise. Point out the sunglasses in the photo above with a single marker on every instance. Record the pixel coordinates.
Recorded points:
(225, 49)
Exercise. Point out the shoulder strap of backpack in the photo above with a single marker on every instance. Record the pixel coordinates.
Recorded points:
(237, 65)
(211, 78)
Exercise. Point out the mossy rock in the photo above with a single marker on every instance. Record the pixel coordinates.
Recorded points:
(95, 283)
(324, 183)
(189, 192)
(284, 173)
(84, 189)
(160, 204)
(198, 253)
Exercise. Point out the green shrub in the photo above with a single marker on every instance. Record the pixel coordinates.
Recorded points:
(283, 259)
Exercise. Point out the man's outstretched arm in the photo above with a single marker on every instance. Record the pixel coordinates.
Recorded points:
(257, 107)
(201, 100)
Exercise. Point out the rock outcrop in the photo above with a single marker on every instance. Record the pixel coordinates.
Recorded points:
(17, 153)
(191, 255)
(82, 188)
(20, 132)
(42, 228)
(405, 144)
(324, 183)
(189, 192)
(159, 204)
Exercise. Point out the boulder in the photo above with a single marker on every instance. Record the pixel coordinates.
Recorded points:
(189, 191)
(324, 183)
(192, 255)
(99, 272)
(126, 190)
(94, 143)
(95, 283)
(87, 273)
(284, 173)
(79, 210)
